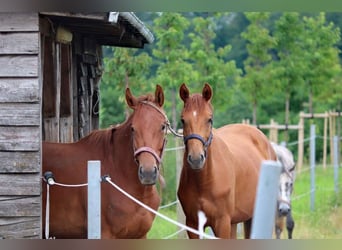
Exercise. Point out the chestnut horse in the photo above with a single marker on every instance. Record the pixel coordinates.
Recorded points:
(220, 167)
(130, 154)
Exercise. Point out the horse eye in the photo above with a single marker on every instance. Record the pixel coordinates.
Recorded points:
(132, 129)
(163, 127)
(182, 121)
(210, 121)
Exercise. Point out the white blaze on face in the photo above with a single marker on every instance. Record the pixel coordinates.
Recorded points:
(285, 187)
(194, 113)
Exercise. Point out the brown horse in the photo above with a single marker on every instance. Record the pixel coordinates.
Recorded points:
(220, 167)
(130, 154)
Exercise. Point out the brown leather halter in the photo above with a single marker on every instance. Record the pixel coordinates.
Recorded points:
(149, 149)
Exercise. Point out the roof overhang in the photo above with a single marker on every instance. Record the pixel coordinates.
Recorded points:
(122, 29)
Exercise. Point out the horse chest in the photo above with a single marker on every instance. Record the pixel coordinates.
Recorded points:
(126, 219)
(211, 203)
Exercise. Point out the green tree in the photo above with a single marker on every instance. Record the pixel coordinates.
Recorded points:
(171, 57)
(320, 56)
(288, 68)
(209, 63)
(257, 72)
(124, 69)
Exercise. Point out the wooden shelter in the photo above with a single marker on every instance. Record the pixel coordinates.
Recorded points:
(50, 66)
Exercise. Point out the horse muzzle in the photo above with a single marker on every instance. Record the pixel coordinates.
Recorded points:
(148, 167)
(284, 208)
(148, 177)
(196, 162)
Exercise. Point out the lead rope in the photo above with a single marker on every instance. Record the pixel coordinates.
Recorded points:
(168, 124)
(49, 179)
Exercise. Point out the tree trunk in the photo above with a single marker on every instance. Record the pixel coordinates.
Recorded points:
(310, 100)
(287, 116)
(174, 109)
(127, 110)
(255, 112)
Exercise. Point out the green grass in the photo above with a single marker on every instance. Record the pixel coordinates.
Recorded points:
(162, 229)
(324, 222)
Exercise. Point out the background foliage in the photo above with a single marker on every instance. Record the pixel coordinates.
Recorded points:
(260, 65)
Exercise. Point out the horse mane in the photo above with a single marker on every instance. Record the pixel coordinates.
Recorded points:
(99, 136)
(105, 136)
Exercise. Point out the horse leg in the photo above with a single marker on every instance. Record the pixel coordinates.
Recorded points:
(223, 228)
(279, 225)
(233, 232)
(193, 225)
(290, 224)
(247, 226)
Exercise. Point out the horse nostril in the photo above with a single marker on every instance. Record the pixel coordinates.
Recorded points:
(202, 157)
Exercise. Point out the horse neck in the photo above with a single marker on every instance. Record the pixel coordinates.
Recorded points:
(123, 147)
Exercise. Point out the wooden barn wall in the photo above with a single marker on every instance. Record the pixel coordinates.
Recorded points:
(71, 73)
(20, 132)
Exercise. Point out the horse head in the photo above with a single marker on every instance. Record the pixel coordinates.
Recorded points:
(148, 130)
(197, 120)
(285, 157)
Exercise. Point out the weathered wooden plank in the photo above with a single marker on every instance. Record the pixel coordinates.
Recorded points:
(15, 206)
(49, 79)
(20, 184)
(19, 162)
(20, 227)
(19, 43)
(19, 114)
(19, 138)
(23, 21)
(66, 129)
(19, 90)
(66, 88)
(19, 66)
(51, 129)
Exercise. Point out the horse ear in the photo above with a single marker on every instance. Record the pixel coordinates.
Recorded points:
(159, 95)
(184, 92)
(207, 92)
(130, 99)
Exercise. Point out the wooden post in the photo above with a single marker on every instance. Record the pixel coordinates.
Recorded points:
(273, 131)
(300, 142)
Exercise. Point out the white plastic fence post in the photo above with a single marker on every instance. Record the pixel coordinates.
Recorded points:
(312, 165)
(266, 200)
(94, 200)
(336, 161)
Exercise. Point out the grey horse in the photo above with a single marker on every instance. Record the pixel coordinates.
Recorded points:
(286, 180)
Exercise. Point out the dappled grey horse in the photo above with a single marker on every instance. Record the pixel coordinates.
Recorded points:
(285, 157)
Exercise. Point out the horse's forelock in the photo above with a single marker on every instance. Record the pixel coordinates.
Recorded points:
(197, 102)
(147, 98)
